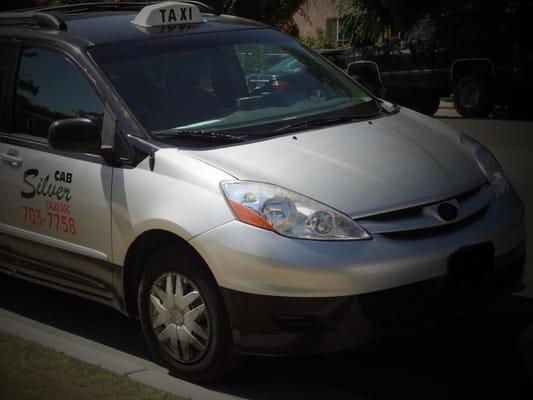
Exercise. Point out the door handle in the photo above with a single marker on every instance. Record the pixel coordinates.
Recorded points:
(11, 158)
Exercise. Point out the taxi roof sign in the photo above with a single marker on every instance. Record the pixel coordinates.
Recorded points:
(168, 13)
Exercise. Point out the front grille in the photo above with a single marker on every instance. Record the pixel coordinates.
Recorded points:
(437, 230)
(423, 218)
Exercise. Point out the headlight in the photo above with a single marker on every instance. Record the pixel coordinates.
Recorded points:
(290, 214)
(488, 164)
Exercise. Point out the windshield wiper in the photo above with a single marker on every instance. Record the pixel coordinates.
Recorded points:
(203, 135)
(316, 122)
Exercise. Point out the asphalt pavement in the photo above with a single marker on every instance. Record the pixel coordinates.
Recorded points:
(481, 356)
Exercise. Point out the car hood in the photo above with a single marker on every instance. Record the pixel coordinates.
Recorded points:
(359, 168)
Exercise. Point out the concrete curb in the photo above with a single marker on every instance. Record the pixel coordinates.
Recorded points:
(108, 358)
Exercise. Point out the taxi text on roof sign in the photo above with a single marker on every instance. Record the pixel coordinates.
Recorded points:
(168, 13)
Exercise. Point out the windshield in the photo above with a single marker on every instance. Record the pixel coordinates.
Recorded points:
(286, 65)
(247, 82)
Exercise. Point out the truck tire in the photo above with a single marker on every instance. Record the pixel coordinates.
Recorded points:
(184, 318)
(472, 96)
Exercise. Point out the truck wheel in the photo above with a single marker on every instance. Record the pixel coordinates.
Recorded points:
(472, 97)
(183, 317)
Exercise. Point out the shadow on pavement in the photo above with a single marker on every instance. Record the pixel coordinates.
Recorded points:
(74, 315)
(482, 356)
(447, 111)
(491, 118)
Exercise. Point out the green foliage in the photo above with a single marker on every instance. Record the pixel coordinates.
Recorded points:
(273, 12)
(365, 21)
(317, 41)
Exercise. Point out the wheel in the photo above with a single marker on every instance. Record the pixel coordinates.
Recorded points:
(183, 317)
(472, 97)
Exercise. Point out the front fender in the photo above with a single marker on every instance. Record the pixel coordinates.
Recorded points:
(181, 195)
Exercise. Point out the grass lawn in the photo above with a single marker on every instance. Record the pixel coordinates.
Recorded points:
(30, 371)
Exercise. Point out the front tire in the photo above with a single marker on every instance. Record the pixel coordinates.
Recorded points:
(183, 317)
(472, 96)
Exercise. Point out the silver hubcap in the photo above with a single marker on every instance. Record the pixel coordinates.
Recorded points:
(179, 317)
(470, 96)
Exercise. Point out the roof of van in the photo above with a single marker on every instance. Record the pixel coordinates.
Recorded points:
(98, 23)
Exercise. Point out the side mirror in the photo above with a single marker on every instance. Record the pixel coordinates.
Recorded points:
(367, 74)
(76, 135)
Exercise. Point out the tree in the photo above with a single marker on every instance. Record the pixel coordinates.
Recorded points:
(365, 21)
(273, 12)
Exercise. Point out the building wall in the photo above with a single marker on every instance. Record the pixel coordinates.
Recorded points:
(314, 14)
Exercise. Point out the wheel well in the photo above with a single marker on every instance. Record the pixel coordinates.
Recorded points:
(461, 68)
(138, 252)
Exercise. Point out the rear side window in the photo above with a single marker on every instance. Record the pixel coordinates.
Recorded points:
(50, 88)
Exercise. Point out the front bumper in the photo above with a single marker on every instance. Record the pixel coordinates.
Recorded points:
(296, 325)
(287, 296)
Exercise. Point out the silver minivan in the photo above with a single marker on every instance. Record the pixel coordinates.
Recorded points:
(233, 190)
